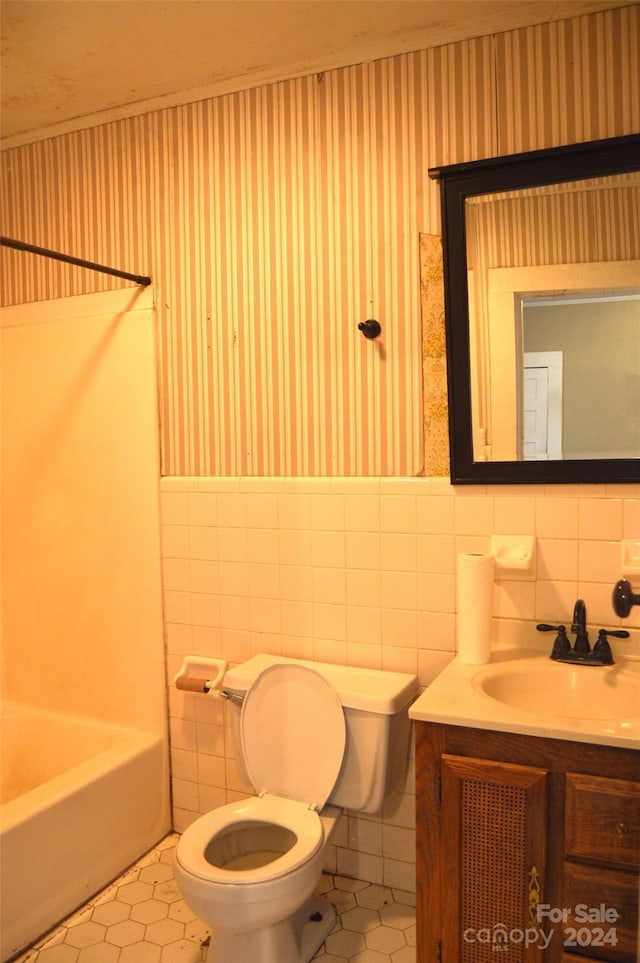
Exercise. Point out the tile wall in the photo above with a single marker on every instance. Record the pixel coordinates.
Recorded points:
(361, 571)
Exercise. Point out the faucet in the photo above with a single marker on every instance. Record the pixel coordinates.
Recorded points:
(581, 653)
(579, 626)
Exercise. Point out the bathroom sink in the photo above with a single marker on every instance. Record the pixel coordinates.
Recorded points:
(556, 689)
(521, 690)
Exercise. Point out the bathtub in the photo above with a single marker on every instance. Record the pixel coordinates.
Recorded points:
(80, 800)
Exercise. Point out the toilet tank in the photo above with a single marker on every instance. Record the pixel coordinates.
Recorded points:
(375, 704)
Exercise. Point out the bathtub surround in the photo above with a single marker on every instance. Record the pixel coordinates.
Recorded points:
(81, 602)
(361, 572)
(82, 613)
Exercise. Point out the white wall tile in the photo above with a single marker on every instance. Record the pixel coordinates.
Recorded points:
(557, 559)
(204, 576)
(554, 601)
(361, 510)
(399, 842)
(364, 634)
(514, 516)
(175, 541)
(184, 765)
(435, 514)
(399, 552)
(399, 627)
(263, 545)
(175, 574)
(399, 590)
(326, 511)
(557, 517)
(362, 574)
(631, 518)
(436, 593)
(399, 875)
(203, 508)
(597, 559)
(174, 507)
(205, 609)
(600, 518)
(365, 835)
(474, 515)
(203, 543)
(398, 513)
(328, 549)
(436, 554)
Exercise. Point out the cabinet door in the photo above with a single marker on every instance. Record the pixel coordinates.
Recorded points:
(494, 818)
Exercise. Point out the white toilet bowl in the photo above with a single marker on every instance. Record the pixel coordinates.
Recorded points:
(246, 870)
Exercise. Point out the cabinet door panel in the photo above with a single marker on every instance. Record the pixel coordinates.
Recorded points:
(494, 824)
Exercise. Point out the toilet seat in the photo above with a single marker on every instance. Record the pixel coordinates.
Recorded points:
(293, 733)
(263, 811)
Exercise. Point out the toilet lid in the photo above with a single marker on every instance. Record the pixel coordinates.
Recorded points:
(293, 733)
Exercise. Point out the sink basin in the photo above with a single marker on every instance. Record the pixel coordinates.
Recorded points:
(557, 689)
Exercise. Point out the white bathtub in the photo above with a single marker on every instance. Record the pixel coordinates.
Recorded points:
(81, 800)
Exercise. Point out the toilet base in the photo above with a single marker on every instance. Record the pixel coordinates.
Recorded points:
(313, 931)
(294, 940)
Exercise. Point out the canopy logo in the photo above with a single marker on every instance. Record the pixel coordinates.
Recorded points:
(500, 938)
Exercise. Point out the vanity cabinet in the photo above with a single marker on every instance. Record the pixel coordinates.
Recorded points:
(527, 848)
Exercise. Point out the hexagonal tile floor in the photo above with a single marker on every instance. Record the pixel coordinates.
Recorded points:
(140, 918)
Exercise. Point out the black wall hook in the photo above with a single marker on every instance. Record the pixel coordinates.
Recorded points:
(370, 329)
(624, 598)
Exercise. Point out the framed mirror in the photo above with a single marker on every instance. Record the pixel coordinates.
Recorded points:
(542, 314)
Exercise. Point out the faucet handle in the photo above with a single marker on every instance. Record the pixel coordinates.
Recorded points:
(602, 649)
(561, 644)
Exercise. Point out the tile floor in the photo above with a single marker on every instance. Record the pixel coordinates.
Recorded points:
(140, 918)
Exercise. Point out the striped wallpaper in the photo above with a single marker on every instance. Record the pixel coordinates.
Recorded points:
(275, 219)
(595, 224)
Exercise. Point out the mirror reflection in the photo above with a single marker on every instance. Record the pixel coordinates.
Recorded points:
(553, 275)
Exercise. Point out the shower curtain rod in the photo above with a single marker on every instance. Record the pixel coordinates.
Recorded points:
(68, 259)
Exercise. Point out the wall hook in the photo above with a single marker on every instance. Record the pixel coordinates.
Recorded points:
(370, 329)
(624, 598)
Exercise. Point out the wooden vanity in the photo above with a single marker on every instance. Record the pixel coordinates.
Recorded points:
(528, 848)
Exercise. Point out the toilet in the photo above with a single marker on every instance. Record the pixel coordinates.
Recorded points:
(313, 739)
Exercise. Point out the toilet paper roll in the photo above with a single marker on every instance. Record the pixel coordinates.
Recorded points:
(474, 577)
(192, 685)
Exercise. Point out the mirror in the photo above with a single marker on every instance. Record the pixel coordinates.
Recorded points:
(542, 313)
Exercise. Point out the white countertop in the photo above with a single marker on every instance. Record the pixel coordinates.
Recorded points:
(456, 698)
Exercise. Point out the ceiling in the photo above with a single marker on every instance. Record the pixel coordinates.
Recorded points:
(67, 64)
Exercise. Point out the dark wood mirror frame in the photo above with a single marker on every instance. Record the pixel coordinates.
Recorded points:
(513, 172)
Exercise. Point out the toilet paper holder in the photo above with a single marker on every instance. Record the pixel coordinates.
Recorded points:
(200, 674)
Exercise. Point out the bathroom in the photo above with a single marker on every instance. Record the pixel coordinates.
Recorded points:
(297, 500)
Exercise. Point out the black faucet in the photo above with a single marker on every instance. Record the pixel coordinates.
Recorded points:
(581, 653)
(579, 626)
